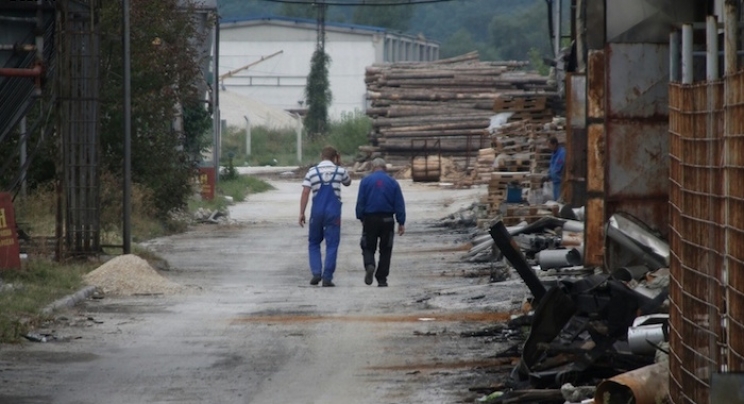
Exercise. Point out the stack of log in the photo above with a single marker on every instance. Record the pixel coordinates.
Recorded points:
(425, 108)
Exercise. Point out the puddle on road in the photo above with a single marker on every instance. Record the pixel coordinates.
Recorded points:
(485, 317)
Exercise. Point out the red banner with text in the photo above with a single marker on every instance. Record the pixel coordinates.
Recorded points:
(207, 181)
(10, 257)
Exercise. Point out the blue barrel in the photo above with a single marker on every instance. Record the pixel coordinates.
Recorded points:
(513, 194)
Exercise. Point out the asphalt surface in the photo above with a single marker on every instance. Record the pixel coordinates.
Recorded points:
(250, 328)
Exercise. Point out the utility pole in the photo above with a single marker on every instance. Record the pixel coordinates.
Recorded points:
(320, 26)
(127, 203)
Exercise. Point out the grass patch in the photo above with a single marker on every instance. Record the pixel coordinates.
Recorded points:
(242, 186)
(27, 291)
(279, 147)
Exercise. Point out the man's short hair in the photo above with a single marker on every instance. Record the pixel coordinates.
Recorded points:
(554, 141)
(328, 153)
(379, 162)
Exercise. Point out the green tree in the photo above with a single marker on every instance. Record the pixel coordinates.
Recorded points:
(295, 10)
(394, 17)
(514, 35)
(165, 69)
(318, 94)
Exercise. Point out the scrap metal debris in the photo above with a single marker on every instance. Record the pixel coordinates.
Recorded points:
(596, 334)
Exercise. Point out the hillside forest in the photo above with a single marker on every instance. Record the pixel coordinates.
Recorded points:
(497, 29)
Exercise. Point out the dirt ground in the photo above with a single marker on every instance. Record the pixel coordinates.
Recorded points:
(248, 328)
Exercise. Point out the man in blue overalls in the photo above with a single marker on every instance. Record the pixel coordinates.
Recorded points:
(324, 180)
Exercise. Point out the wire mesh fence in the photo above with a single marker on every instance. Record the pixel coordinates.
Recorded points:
(706, 226)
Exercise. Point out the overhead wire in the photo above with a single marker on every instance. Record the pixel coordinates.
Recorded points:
(359, 2)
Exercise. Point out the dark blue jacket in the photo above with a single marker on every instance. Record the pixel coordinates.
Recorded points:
(380, 193)
(557, 162)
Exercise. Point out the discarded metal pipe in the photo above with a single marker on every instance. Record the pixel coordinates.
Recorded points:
(504, 241)
(550, 259)
(643, 340)
(637, 240)
(646, 385)
(35, 71)
(573, 226)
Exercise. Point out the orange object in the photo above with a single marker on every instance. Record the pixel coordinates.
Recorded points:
(9, 250)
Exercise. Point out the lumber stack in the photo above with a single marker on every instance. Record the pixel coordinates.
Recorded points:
(427, 108)
(519, 153)
(426, 169)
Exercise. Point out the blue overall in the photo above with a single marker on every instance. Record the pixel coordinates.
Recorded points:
(325, 223)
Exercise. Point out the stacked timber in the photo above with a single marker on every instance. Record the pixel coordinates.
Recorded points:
(521, 156)
(484, 166)
(426, 169)
(428, 108)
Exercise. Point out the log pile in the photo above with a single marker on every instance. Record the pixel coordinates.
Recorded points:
(426, 108)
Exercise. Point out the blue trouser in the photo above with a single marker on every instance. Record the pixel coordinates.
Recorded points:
(324, 227)
(325, 224)
(556, 190)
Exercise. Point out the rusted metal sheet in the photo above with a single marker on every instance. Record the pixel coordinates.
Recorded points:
(576, 140)
(637, 166)
(595, 158)
(576, 100)
(638, 160)
(595, 90)
(594, 235)
(634, 92)
(595, 206)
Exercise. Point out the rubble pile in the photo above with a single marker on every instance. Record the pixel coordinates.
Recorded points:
(594, 335)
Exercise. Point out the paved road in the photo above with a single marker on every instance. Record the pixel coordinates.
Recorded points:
(250, 329)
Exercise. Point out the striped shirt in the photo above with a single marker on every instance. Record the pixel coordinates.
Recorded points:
(326, 169)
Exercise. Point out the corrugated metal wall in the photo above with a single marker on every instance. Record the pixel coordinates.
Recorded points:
(706, 235)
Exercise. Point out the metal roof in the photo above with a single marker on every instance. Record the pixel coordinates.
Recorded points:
(301, 21)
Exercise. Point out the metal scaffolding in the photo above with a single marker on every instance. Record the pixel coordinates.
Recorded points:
(78, 82)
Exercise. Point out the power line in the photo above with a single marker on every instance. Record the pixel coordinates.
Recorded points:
(358, 2)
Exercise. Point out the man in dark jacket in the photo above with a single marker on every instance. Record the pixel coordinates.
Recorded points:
(379, 205)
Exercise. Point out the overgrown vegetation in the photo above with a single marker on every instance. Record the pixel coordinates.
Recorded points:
(345, 134)
(28, 291)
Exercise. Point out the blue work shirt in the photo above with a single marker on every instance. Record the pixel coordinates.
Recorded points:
(557, 162)
(380, 193)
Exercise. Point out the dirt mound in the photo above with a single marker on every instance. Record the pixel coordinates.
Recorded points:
(130, 275)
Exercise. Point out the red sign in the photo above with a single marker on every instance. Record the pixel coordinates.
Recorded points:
(9, 249)
(207, 182)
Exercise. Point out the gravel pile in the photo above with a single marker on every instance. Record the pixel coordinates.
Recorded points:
(130, 275)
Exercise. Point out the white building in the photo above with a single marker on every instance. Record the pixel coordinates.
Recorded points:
(275, 56)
